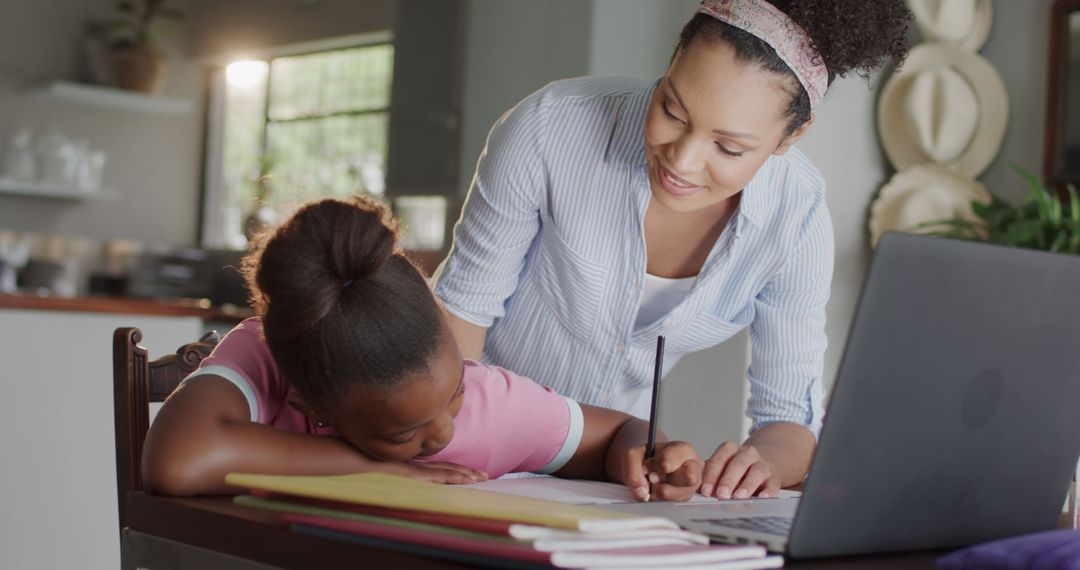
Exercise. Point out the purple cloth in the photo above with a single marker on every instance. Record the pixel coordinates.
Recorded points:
(1051, 550)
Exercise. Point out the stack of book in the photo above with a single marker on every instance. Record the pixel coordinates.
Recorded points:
(485, 528)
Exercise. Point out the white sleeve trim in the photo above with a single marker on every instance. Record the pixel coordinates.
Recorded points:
(236, 379)
(573, 439)
(471, 318)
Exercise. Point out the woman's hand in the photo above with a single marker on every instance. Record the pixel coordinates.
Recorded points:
(434, 472)
(738, 472)
(673, 474)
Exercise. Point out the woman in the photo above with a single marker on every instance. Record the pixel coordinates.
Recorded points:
(605, 212)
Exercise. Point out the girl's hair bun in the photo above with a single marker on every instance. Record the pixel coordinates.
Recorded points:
(324, 250)
(340, 304)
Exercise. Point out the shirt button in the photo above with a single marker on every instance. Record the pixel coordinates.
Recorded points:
(620, 347)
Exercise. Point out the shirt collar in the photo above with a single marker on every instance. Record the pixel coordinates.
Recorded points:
(755, 194)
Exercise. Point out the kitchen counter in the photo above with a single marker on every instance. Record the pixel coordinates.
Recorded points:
(200, 308)
(57, 428)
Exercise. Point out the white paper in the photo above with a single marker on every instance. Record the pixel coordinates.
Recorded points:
(580, 492)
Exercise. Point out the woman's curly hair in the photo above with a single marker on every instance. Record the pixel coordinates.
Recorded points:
(849, 35)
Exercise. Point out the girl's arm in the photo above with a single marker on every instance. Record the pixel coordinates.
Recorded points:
(204, 431)
(613, 448)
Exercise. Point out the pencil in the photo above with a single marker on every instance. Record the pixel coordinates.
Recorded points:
(654, 410)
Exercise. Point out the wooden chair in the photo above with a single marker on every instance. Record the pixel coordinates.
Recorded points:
(137, 381)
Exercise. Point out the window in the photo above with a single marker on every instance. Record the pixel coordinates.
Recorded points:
(291, 128)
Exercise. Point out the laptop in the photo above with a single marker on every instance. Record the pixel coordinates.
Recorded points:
(954, 418)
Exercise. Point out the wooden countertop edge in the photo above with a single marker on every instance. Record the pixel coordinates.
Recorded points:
(121, 305)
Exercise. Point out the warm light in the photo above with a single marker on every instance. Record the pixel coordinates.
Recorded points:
(247, 73)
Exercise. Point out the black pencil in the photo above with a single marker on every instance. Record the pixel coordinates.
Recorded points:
(654, 410)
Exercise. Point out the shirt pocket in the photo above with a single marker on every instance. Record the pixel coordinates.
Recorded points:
(707, 330)
(570, 285)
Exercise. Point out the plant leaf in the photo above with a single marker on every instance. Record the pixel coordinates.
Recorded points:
(1059, 242)
(1074, 203)
(1074, 243)
(1022, 233)
(1027, 176)
(980, 208)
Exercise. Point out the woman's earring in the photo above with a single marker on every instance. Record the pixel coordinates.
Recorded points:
(321, 424)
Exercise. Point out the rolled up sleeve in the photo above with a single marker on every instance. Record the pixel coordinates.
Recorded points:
(500, 218)
(787, 335)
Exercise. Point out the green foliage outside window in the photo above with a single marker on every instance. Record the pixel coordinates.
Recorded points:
(315, 125)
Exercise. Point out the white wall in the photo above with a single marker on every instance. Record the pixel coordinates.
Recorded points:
(1017, 48)
(512, 48)
(236, 26)
(843, 144)
(635, 38)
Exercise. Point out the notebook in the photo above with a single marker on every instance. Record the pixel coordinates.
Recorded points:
(504, 554)
(539, 538)
(954, 418)
(456, 537)
(383, 490)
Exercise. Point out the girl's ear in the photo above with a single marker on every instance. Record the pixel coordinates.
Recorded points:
(297, 401)
(795, 136)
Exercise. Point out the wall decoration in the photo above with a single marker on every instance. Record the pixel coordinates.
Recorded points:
(941, 120)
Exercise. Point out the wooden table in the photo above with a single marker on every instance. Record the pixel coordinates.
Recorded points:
(212, 532)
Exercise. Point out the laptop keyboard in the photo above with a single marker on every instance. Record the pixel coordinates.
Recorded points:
(769, 525)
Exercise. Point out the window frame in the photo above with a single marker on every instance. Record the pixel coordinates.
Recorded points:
(214, 192)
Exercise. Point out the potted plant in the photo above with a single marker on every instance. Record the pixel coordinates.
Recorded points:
(138, 63)
(1042, 221)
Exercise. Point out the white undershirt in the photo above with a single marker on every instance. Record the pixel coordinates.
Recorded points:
(659, 297)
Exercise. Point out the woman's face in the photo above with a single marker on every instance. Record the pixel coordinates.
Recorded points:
(415, 418)
(712, 121)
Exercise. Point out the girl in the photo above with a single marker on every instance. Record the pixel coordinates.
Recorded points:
(607, 211)
(350, 367)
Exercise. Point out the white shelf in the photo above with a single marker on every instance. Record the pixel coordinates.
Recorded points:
(42, 190)
(111, 98)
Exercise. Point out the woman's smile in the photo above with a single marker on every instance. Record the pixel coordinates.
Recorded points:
(675, 184)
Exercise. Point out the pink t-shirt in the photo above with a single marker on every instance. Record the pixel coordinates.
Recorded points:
(507, 423)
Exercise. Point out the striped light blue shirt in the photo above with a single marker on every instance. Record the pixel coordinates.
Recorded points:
(549, 253)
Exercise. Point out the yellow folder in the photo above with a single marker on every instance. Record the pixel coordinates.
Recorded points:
(382, 490)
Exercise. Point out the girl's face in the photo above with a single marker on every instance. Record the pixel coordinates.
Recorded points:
(711, 123)
(413, 419)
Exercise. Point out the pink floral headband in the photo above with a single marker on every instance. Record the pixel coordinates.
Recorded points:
(792, 44)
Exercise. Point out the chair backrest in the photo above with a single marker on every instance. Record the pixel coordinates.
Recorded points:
(137, 381)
